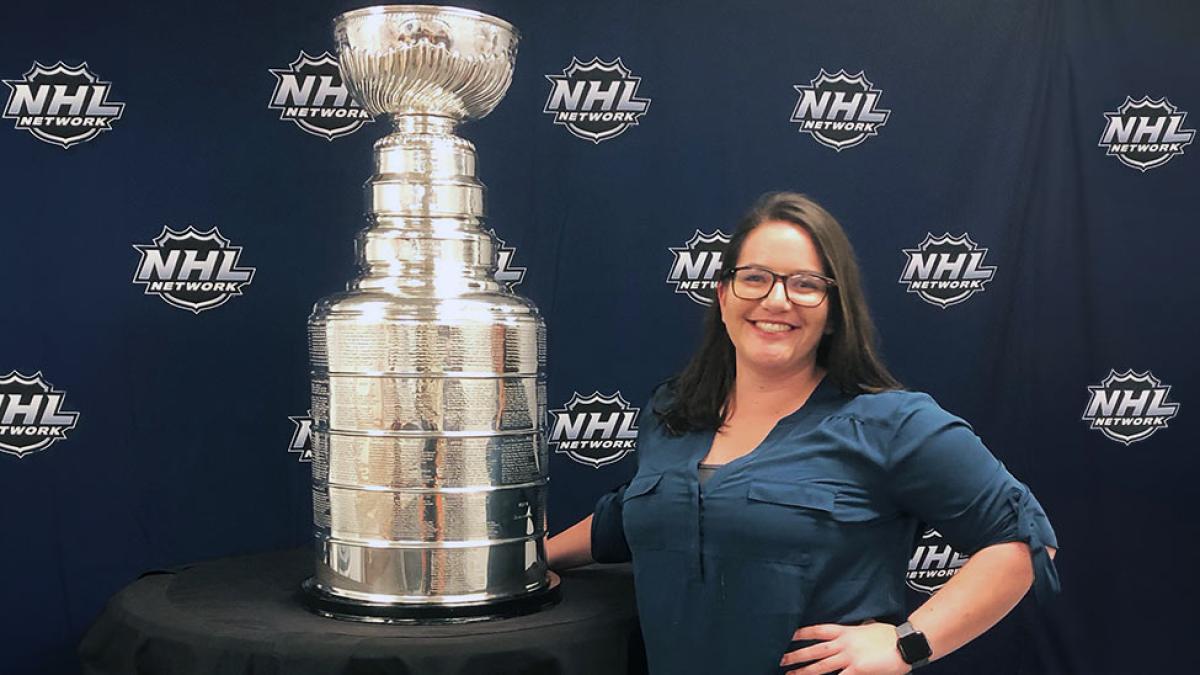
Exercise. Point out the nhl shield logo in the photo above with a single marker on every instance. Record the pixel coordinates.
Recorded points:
(31, 414)
(839, 110)
(62, 105)
(932, 564)
(311, 93)
(696, 266)
(594, 430)
(1128, 407)
(192, 269)
(946, 270)
(596, 100)
(1145, 133)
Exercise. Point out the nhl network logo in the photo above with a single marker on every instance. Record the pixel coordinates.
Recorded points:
(946, 270)
(932, 564)
(595, 430)
(311, 93)
(506, 273)
(62, 105)
(1145, 133)
(839, 110)
(1129, 407)
(192, 269)
(302, 437)
(596, 100)
(31, 414)
(697, 264)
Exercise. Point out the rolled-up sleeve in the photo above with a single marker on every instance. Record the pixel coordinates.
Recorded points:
(941, 472)
(608, 529)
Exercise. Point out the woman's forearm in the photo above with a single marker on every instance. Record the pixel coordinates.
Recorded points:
(987, 587)
(571, 547)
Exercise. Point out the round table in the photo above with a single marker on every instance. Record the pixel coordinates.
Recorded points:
(244, 615)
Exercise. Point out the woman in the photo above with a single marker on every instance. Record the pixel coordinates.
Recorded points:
(782, 476)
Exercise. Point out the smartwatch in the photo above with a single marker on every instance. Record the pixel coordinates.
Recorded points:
(914, 648)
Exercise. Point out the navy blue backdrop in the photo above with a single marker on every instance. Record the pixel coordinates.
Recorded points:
(1046, 144)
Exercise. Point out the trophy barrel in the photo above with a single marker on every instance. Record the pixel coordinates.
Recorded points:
(428, 377)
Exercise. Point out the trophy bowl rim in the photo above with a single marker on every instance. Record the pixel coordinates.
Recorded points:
(428, 10)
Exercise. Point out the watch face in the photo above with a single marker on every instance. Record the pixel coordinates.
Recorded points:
(914, 647)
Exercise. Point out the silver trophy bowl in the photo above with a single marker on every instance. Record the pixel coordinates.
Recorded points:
(425, 60)
(428, 376)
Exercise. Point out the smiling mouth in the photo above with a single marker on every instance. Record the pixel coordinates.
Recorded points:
(773, 326)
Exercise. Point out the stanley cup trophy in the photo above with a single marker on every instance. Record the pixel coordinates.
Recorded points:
(428, 385)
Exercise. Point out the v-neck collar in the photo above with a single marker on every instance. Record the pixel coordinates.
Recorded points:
(825, 392)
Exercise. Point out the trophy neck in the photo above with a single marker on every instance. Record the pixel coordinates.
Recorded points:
(417, 123)
(426, 207)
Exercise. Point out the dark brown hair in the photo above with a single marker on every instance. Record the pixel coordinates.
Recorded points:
(697, 396)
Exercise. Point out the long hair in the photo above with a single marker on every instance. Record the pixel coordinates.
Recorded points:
(698, 395)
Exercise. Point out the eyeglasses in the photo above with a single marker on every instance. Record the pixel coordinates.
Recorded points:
(802, 288)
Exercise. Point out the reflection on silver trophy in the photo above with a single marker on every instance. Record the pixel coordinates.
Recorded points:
(428, 386)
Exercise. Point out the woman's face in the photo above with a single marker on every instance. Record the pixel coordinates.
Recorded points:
(773, 336)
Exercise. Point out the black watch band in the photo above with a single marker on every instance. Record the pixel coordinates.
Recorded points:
(914, 648)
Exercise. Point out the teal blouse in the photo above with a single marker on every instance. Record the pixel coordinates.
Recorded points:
(815, 525)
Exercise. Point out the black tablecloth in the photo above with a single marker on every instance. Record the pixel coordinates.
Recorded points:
(244, 615)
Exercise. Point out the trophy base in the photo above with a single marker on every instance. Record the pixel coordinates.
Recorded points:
(324, 603)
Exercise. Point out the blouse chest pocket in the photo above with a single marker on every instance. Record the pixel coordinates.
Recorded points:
(652, 515)
(810, 512)
(642, 485)
(782, 522)
(809, 497)
(805, 522)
